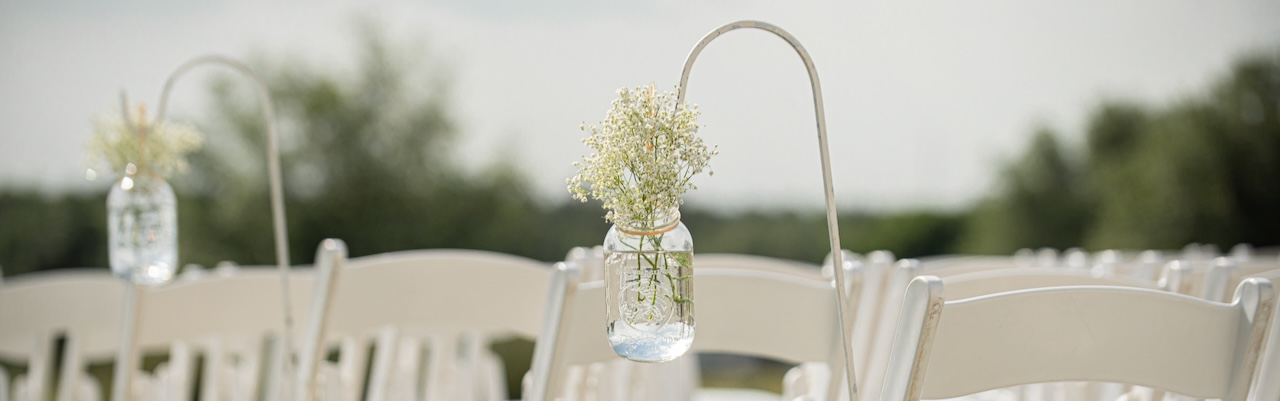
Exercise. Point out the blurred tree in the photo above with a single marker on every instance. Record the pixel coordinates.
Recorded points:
(366, 158)
(1202, 169)
(908, 234)
(1040, 203)
(1169, 190)
(41, 230)
(1247, 105)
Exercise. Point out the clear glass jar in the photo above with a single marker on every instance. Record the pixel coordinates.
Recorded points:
(142, 229)
(648, 276)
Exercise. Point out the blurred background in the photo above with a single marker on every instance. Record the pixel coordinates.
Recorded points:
(956, 128)
(976, 127)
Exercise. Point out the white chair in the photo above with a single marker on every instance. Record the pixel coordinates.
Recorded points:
(430, 302)
(228, 316)
(806, 379)
(1227, 272)
(980, 283)
(1185, 345)
(614, 379)
(232, 317)
(1211, 279)
(83, 307)
(746, 311)
(218, 315)
(978, 275)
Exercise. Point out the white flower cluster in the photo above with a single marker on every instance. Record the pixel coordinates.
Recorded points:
(646, 152)
(156, 146)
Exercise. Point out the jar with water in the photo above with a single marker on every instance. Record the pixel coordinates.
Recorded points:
(649, 288)
(142, 228)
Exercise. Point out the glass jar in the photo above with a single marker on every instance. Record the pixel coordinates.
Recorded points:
(648, 275)
(142, 229)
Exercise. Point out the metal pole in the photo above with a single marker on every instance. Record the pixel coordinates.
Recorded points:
(833, 229)
(277, 189)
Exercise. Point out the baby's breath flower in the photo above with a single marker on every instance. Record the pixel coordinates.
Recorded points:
(157, 146)
(646, 153)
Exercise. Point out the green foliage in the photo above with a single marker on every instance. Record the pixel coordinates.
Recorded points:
(366, 159)
(44, 231)
(909, 234)
(1202, 169)
(1039, 205)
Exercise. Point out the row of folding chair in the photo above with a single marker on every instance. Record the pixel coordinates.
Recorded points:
(878, 309)
(746, 305)
(406, 312)
(418, 324)
(404, 325)
(223, 324)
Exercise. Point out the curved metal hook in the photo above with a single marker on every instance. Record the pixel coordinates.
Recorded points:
(833, 228)
(273, 172)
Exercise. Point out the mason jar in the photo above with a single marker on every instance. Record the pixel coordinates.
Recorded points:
(649, 288)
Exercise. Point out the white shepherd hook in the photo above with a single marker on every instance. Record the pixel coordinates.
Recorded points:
(833, 228)
(277, 192)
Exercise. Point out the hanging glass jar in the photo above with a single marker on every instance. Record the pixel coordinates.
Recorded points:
(649, 288)
(142, 228)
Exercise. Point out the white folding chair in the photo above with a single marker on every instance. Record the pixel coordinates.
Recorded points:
(1223, 273)
(83, 307)
(980, 283)
(1210, 280)
(613, 379)
(747, 311)
(211, 314)
(806, 379)
(437, 303)
(229, 317)
(1182, 344)
(978, 275)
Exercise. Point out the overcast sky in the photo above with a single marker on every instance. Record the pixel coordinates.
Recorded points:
(923, 100)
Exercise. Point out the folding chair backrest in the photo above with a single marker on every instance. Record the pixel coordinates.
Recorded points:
(409, 301)
(230, 316)
(758, 312)
(444, 288)
(1144, 337)
(83, 306)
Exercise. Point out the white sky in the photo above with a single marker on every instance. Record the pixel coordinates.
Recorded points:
(923, 101)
